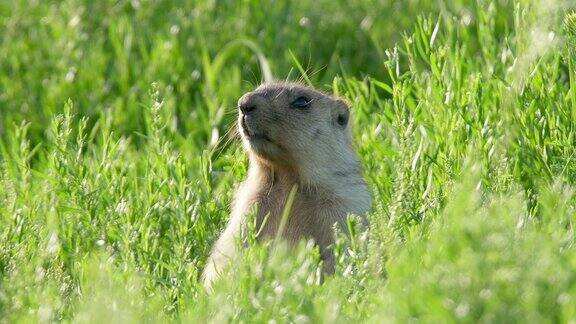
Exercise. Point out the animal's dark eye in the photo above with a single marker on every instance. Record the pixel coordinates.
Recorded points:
(301, 102)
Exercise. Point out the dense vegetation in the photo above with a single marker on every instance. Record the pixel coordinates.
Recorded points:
(116, 170)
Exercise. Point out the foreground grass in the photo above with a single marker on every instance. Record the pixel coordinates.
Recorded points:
(111, 200)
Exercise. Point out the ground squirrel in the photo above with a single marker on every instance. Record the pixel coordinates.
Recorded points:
(295, 136)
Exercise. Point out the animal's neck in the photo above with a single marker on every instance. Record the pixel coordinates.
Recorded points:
(330, 178)
(270, 176)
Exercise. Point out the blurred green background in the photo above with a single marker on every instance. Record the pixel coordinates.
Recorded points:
(104, 55)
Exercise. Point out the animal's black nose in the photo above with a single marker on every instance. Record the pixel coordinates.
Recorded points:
(249, 103)
(247, 107)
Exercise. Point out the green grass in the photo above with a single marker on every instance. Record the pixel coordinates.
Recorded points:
(116, 173)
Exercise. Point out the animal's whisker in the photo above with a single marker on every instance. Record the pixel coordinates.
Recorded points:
(226, 139)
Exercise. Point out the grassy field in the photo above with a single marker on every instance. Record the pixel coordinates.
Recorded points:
(116, 170)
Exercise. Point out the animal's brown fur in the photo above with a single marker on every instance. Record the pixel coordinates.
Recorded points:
(310, 148)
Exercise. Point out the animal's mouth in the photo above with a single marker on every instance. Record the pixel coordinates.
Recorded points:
(259, 137)
(258, 140)
(254, 135)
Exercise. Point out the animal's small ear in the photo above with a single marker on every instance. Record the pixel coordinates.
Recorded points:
(341, 113)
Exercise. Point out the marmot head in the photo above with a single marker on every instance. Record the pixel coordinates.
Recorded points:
(287, 124)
